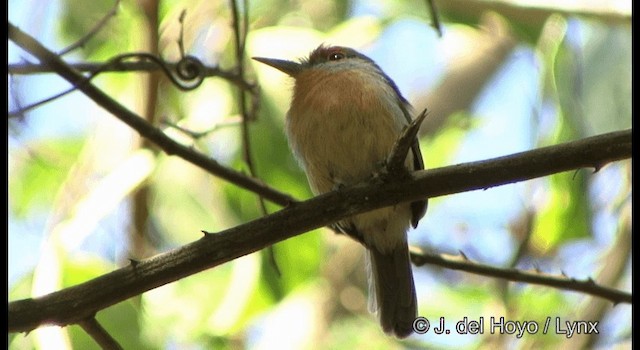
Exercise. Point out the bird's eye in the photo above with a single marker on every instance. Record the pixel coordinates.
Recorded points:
(335, 56)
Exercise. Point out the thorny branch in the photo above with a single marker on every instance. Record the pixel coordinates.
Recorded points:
(76, 303)
(562, 281)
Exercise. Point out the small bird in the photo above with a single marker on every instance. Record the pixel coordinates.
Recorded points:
(344, 119)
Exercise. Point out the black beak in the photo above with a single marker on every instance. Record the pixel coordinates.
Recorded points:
(289, 67)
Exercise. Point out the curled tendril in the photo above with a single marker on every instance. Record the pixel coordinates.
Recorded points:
(189, 69)
(188, 74)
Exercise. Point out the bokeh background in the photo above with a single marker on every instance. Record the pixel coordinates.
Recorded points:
(86, 193)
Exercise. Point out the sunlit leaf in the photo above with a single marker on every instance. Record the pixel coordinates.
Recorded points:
(35, 179)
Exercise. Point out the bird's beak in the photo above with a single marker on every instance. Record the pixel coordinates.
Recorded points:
(289, 67)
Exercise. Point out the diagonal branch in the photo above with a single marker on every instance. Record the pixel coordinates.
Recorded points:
(99, 334)
(188, 74)
(240, 30)
(462, 263)
(139, 124)
(127, 66)
(74, 304)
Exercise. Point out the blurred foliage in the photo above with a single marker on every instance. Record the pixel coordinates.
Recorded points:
(122, 318)
(585, 89)
(41, 172)
(80, 17)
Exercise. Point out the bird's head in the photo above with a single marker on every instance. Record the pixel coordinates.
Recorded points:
(323, 57)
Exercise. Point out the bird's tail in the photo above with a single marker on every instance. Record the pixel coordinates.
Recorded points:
(391, 290)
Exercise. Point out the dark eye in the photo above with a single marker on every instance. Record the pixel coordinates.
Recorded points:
(334, 56)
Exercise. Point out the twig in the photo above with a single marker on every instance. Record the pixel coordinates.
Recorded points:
(181, 69)
(145, 129)
(19, 113)
(613, 265)
(183, 14)
(93, 31)
(522, 228)
(74, 304)
(124, 66)
(588, 286)
(188, 70)
(99, 334)
(239, 45)
(396, 159)
(240, 39)
(199, 134)
(435, 17)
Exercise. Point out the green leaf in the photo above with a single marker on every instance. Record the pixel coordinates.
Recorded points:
(34, 180)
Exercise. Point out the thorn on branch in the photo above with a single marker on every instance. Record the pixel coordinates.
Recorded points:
(290, 204)
(134, 262)
(597, 167)
(206, 233)
(463, 255)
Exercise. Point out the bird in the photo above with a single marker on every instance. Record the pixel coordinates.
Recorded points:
(344, 118)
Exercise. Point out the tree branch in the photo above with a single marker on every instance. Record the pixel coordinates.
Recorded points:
(462, 263)
(124, 67)
(99, 334)
(145, 129)
(74, 304)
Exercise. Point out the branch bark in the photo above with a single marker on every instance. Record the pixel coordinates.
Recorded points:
(462, 263)
(99, 334)
(74, 304)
